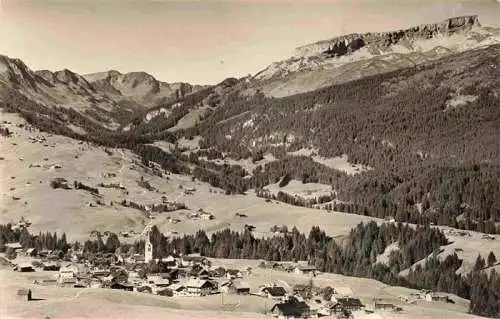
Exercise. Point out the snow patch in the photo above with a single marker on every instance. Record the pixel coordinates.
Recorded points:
(248, 123)
(384, 257)
(459, 100)
(155, 113)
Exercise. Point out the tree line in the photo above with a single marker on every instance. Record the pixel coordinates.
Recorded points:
(41, 241)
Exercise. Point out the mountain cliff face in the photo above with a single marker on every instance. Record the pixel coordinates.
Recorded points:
(353, 56)
(352, 42)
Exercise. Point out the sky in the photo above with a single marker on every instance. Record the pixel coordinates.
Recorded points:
(200, 42)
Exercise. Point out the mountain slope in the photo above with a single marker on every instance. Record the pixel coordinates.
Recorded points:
(354, 56)
(429, 134)
(110, 99)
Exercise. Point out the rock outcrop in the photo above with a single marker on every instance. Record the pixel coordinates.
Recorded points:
(346, 44)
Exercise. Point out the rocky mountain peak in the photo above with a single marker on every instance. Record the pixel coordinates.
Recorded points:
(16, 72)
(346, 44)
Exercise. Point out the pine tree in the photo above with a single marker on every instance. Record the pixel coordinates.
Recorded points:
(492, 259)
(479, 265)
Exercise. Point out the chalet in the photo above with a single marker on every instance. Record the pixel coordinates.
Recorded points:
(202, 272)
(183, 272)
(51, 266)
(44, 253)
(178, 290)
(198, 287)
(137, 258)
(56, 254)
(233, 274)
(291, 309)
(431, 296)
(26, 294)
(173, 274)
(239, 288)
(193, 215)
(144, 289)
(31, 252)
(122, 286)
(99, 273)
(59, 182)
(69, 271)
(190, 260)
(158, 281)
(305, 269)
(327, 309)
(383, 306)
(24, 268)
(249, 227)
(488, 237)
(206, 216)
(275, 292)
(218, 271)
(169, 261)
(347, 304)
(67, 282)
(224, 286)
(14, 246)
(23, 223)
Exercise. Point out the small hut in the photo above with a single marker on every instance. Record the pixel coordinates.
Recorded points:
(25, 294)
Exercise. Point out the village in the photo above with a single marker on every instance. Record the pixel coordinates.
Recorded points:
(195, 276)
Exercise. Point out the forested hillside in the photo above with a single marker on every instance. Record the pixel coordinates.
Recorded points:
(428, 133)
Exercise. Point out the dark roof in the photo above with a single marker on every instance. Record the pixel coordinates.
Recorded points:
(240, 285)
(276, 291)
(306, 267)
(194, 258)
(292, 308)
(349, 302)
(23, 292)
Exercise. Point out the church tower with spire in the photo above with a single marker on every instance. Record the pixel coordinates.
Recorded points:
(148, 249)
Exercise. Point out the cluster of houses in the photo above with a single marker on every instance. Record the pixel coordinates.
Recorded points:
(427, 295)
(201, 214)
(22, 223)
(185, 275)
(193, 276)
(298, 268)
(295, 305)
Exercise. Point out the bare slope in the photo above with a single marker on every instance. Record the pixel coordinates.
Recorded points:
(31, 159)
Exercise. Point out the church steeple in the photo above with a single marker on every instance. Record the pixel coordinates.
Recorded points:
(148, 249)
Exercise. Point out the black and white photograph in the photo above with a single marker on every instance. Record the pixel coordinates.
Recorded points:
(241, 159)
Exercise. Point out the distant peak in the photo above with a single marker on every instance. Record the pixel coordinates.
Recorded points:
(351, 42)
